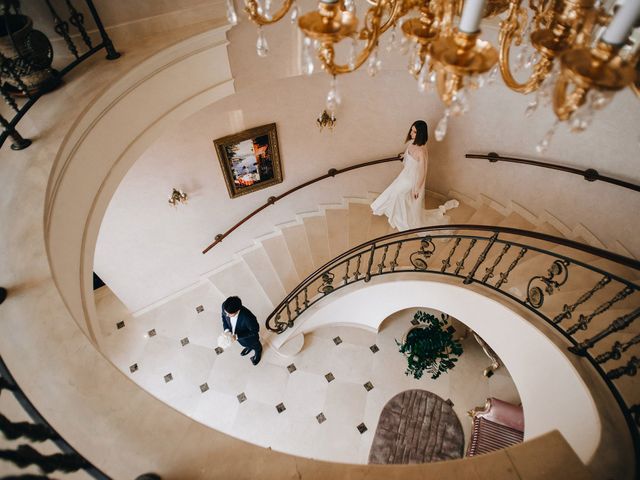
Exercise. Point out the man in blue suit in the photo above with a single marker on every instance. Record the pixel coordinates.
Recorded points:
(239, 321)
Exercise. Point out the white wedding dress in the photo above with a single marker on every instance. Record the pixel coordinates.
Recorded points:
(403, 211)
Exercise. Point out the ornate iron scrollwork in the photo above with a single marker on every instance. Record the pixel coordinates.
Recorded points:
(327, 283)
(618, 324)
(617, 350)
(584, 320)
(630, 369)
(567, 310)
(535, 295)
(419, 259)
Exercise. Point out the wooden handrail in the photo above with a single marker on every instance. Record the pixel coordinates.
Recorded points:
(590, 175)
(271, 200)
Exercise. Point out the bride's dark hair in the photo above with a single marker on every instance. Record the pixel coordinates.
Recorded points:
(422, 133)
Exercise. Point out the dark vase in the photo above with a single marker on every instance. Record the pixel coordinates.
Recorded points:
(28, 54)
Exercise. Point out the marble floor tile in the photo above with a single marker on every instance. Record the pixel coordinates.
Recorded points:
(345, 403)
(351, 363)
(268, 383)
(217, 409)
(305, 394)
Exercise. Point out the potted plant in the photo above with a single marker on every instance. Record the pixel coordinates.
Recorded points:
(429, 346)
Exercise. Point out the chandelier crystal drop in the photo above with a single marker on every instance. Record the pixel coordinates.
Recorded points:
(546, 140)
(563, 50)
(232, 16)
(262, 47)
(295, 13)
(441, 127)
(333, 97)
(307, 58)
(374, 65)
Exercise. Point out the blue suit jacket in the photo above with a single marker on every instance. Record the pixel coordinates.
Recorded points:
(247, 327)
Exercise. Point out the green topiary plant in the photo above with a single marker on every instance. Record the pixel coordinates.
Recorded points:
(430, 346)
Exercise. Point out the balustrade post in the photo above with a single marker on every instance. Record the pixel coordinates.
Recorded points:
(370, 264)
(481, 259)
(19, 142)
(112, 53)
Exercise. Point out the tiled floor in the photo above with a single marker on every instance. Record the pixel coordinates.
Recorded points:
(310, 405)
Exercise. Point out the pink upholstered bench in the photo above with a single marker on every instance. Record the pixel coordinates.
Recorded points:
(497, 425)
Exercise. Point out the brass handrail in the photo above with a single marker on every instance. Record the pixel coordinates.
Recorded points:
(590, 174)
(271, 200)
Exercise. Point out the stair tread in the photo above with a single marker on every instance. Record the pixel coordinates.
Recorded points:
(276, 249)
(295, 237)
(337, 230)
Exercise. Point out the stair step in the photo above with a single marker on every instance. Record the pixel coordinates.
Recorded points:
(258, 262)
(318, 239)
(337, 230)
(276, 249)
(359, 218)
(296, 238)
(378, 226)
(237, 279)
(461, 214)
(484, 216)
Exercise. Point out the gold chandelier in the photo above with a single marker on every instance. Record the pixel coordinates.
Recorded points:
(576, 53)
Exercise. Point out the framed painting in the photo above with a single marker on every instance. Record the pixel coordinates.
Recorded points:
(250, 160)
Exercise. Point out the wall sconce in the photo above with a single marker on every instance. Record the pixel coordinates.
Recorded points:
(177, 196)
(326, 120)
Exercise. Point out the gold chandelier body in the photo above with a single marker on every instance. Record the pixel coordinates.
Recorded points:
(561, 34)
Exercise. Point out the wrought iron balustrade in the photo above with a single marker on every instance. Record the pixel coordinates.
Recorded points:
(588, 295)
(38, 430)
(26, 55)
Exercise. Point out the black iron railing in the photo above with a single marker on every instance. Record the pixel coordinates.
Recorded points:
(38, 430)
(588, 295)
(26, 55)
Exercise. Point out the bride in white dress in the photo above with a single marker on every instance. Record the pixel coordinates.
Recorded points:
(402, 201)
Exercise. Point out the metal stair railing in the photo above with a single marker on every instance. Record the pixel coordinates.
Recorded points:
(599, 304)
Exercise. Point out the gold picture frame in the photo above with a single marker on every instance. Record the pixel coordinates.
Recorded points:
(250, 160)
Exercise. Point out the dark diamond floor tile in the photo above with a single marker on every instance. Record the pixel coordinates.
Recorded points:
(242, 397)
(374, 348)
(204, 387)
(329, 376)
(362, 428)
(368, 386)
(133, 368)
(185, 341)
(320, 417)
(120, 325)
(415, 322)
(152, 332)
(280, 407)
(168, 377)
(199, 309)
(337, 340)
(292, 368)
(219, 350)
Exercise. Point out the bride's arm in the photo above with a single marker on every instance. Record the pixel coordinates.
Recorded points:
(422, 172)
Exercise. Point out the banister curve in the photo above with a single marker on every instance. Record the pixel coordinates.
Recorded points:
(271, 200)
(590, 174)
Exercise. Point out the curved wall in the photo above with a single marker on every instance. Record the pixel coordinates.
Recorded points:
(537, 366)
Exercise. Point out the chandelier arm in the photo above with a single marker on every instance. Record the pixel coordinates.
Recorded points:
(370, 32)
(251, 9)
(565, 104)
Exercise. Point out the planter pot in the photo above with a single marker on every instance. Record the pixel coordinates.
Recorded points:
(30, 53)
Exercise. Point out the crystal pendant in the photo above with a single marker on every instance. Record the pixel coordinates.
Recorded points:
(349, 6)
(492, 75)
(532, 60)
(531, 107)
(415, 64)
(374, 64)
(351, 61)
(333, 97)
(267, 9)
(295, 13)
(307, 59)
(232, 16)
(404, 45)
(521, 59)
(544, 143)
(441, 128)
(459, 103)
(581, 119)
(599, 99)
(423, 78)
(262, 47)
(392, 40)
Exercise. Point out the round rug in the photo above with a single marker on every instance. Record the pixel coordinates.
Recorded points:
(417, 426)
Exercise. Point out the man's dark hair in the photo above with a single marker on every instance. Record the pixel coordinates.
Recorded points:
(232, 304)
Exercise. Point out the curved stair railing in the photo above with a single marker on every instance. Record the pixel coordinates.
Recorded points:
(38, 430)
(271, 200)
(28, 62)
(585, 293)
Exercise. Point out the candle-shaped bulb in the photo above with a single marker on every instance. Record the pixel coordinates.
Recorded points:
(471, 15)
(622, 24)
